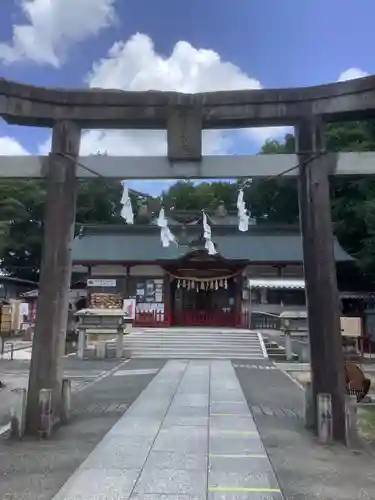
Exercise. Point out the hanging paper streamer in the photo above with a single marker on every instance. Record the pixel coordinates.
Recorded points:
(243, 223)
(209, 246)
(126, 210)
(165, 233)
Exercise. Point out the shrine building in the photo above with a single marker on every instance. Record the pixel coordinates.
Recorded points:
(182, 285)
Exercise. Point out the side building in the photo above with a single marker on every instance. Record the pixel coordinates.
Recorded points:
(259, 270)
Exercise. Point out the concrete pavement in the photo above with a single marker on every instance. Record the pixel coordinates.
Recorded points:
(15, 375)
(189, 435)
(35, 470)
(305, 469)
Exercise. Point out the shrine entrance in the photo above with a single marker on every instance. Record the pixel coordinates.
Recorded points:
(206, 292)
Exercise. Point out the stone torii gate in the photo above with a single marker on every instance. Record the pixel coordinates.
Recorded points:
(184, 116)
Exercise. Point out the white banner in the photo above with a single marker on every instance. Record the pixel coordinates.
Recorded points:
(128, 307)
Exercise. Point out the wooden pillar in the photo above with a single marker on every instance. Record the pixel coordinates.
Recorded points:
(320, 274)
(168, 306)
(238, 285)
(54, 284)
(127, 283)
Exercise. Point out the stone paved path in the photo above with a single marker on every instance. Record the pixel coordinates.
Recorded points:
(189, 436)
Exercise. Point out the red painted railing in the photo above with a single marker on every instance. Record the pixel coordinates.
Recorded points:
(208, 318)
(151, 319)
(196, 318)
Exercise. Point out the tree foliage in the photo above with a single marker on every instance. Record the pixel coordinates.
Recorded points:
(22, 214)
(352, 198)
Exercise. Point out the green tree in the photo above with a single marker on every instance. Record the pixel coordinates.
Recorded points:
(22, 215)
(352, 198)
(190, 196)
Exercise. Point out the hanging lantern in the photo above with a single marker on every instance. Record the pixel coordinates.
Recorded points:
(178, 284)
(202, 285)
(216, 285)
(212, 286)
(226, 284)
(221, 283)
(183, 284)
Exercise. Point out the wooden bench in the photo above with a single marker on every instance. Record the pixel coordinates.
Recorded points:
(355, 381)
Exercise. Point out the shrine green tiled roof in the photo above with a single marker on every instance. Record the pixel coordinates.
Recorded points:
(141, 243)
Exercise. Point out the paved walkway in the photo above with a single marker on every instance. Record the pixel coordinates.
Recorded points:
(189, 435)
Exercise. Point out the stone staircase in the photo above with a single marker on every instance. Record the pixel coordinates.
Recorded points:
(195, 343)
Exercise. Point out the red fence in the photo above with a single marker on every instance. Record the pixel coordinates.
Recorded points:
(205, 318)
(158, 319)
(192, 318)
(151, 319)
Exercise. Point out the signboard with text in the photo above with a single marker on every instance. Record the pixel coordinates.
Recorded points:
(128, 308)
(101, 283)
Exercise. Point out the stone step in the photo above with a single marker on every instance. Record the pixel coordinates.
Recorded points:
(193, 345)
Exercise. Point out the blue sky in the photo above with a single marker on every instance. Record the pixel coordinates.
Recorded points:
(136, 44)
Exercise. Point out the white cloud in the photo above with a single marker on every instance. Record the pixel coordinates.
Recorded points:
(52, 26)
(135, 65)
(9, 146)
(352, 74)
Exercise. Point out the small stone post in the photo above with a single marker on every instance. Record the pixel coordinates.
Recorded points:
(66, 400)
(309, 407)
(351, 419)
(81, 343)
(18, 415)
(324, 418)
(305, 352)
(288, 346)
(120, 341)
(45, 413)
(101, 349)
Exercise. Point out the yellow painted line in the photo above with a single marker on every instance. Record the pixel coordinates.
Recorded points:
(218, 455)
(223, 489)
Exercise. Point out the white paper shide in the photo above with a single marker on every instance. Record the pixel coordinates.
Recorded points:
(243, 215)
(209, 245)
(166, 235)
(126, 210)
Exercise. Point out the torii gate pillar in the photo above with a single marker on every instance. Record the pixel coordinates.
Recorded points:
(54, 283)
(327, 363)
